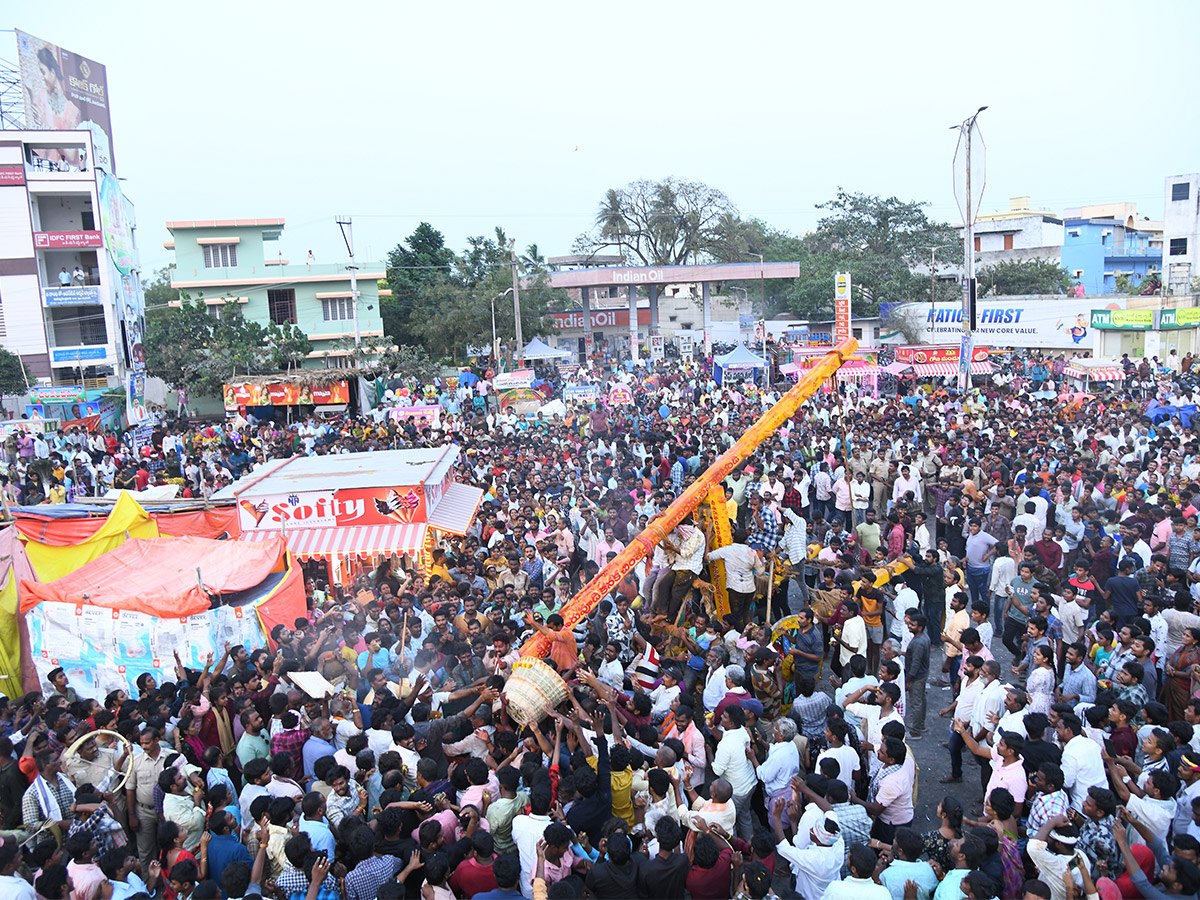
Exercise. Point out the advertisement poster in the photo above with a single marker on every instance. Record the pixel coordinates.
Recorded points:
(64, 92)
(657, 346)
(1123, 319)
(103, 649)
(326, 509)
(1062, 323)
(115, 224)
(135, 399)
(285, 394)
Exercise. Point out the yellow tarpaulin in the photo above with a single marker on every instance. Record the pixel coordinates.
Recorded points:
(126, 520)
(10, 639)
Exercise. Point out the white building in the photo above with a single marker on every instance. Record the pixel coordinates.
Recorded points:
(66, 307)
(1181, 232)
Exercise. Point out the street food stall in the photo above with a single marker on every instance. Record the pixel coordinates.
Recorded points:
(941, 360)
(862, 369)
(1091, 373)
(353, 508)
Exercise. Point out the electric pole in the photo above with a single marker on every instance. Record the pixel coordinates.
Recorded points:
(347, 226)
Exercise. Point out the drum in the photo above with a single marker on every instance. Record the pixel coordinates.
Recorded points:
(533, 690)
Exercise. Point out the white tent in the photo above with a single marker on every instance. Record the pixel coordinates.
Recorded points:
(539, 349)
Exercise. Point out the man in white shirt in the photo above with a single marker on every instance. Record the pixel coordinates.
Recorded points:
(714, 683)
(730, 763)
(527, 830)
(815, 858)
(1082, 764)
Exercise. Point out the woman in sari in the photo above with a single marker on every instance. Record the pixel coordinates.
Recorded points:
(1177, 687)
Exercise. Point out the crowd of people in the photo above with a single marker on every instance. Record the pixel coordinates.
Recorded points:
(1035, 564)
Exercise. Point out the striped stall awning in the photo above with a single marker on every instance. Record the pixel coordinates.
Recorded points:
(858, 372)
(456, 509)
(1100, 373)
(305, 543)
(946, 369)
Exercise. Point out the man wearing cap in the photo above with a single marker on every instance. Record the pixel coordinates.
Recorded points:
(1189, 773)
(816, 857)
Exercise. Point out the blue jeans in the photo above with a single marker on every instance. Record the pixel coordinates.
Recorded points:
(860, 516)
(977, 582)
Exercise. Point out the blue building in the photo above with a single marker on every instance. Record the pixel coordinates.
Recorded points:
(1096, 250)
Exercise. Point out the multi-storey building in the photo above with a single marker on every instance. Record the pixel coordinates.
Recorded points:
(238, 261)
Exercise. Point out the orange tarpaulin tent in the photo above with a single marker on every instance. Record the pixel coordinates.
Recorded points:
(157, 576)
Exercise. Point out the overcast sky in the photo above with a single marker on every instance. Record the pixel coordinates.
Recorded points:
(470, 115)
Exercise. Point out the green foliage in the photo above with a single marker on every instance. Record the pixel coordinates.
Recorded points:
(377, 357)
(879, 241)
(191, 346)
(423, 259)
(1022, 276)
(158, 290)
(665, 223)
(12, 374)
(450, 306)
(1143, 286)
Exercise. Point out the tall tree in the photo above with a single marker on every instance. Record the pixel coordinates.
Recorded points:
(661, 223)
(12, 374)
(423, 259)
(157, 288)
(190, 346)
(1022, 276)
(879, 241)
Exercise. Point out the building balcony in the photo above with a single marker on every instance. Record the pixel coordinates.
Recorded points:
(1132, 251)
(290, 272)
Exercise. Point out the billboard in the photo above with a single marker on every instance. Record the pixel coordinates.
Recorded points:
(517, 378)
(67, 240)
(64, 92)
(280, 394)
(948, 353)
(1123, 319)
(1061, 322)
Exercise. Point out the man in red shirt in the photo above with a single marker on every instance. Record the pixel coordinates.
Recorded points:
(475, 876)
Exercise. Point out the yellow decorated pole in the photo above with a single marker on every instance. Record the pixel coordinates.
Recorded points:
(713, 511)
(643, 545)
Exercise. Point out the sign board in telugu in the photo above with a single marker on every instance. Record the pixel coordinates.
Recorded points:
(841, 306)
(75, 354)
(83, 295)
(1123, 319)
(61, 393)
(924, 355)
(1179, 318)
(12, 175)
(280, 394)
(67, 240)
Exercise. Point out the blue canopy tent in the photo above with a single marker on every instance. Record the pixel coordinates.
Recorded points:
(738, 360)
(1157, 412)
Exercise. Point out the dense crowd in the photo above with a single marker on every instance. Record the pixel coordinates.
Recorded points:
(1036, 561)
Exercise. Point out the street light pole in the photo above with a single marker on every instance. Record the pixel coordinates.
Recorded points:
(495, 341)
(965, 130)
(762, 292)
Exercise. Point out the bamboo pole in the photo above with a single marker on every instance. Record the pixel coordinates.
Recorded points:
(643, 544)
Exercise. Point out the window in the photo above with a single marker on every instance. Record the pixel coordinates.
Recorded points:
(337, 309)
(1178, 247)
(281, 305)
(1180, 190)
(339, 362)
(87, 220)
(220, 256)
(1077, 274)
(976, 243)
(1008, 238)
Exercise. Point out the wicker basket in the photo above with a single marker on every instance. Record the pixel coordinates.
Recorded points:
(533, 690)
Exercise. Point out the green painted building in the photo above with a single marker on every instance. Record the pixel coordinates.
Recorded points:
(238, 261)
